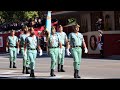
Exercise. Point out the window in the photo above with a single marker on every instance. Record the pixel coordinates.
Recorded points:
(117, 20)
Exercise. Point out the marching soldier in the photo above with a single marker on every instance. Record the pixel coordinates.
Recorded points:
(12, 44)
(63, 39)
(26, 62)
(31, 44)
(53, 48)
(76, 40)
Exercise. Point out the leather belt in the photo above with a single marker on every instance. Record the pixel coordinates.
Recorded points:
(63, 45)
(31, 48)
(53, 47)
(76, 46)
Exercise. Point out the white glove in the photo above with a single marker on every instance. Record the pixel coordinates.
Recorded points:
(68, 52)
(18, 50)
(61, 50)
(86, 50)
(6, 49)
(40, 52)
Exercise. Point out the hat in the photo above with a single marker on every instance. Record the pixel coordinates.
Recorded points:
(12, 30)
(100, 31)
(76, 25)
(71, 22)
(60, 25)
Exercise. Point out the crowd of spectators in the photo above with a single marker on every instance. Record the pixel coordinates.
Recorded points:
(36, 22)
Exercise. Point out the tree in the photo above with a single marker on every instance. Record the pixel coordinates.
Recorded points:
(30, 14)
(14, 16)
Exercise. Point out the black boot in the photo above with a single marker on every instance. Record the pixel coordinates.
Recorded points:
(59, 68)
(10, 65)
(62, 70)
(27, 72)
(14, 65)
(23, 69)
(78, 74)
(52, 73)
(32, 73)
(75, 73)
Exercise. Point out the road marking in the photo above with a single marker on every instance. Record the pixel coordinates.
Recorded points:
(8, 72)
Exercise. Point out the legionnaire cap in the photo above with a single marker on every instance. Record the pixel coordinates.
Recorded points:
(76, 25)
(60, 26)
(25, 28)
(100, 31)
(12, 30)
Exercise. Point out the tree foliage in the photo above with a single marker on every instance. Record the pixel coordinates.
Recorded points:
(14, 16)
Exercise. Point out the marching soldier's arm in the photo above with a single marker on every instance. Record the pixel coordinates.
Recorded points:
(60, 44)
(39, 47)
(19, 41)
(18, 48)
(50, 42)
(25, 46)
(7, 43)
(67, 44)
(68, 41)
(84, 45)
(7, 46)
(47, 49)
(18, 45)
(38, 44)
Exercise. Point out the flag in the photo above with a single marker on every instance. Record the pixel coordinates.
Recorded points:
(48, 22)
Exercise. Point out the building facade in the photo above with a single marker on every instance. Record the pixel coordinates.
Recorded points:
(87, 20)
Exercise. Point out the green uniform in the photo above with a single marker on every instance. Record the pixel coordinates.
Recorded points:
(76, 50)
(32, 50)
(26, 61)
(63, 38)
(53, 50)
(12, 42)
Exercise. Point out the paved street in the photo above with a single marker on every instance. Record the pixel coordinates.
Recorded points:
(90, 69)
